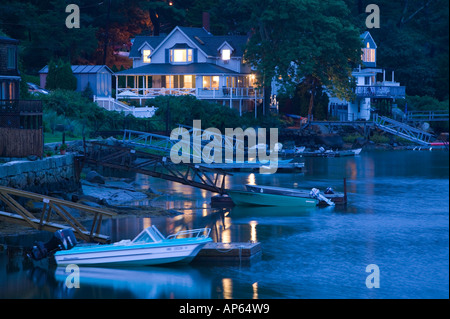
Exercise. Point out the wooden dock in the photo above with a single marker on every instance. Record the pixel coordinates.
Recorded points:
(54, 215)
(229, 252)
(255, 167)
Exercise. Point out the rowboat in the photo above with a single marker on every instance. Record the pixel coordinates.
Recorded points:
(150, 247)
(263, 199)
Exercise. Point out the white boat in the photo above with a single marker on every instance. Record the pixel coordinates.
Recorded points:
(329, 197)
(150, 247)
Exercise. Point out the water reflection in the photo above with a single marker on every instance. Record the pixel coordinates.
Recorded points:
(149, 282)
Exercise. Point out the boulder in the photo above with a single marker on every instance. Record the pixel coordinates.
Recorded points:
(94, 177)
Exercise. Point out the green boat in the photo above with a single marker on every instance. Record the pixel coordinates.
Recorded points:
(246, 198)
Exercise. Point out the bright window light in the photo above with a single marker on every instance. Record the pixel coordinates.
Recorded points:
(226, 54)
(146, 54)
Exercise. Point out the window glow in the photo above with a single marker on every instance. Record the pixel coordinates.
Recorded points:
(226, 54)
(146, 54)
(181, 55)
(188, 82)
(368, 55)
(215, 82)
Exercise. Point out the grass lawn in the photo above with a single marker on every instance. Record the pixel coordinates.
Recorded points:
(57, 137)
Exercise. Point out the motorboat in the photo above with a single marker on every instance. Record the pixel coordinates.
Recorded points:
(249, 198)
(150, 247)
(329, 197)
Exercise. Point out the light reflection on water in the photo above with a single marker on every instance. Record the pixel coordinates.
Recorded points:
(397, 218)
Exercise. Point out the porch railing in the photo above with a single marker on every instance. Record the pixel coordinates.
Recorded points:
(20, 106)
(380, 91)
(201, 93)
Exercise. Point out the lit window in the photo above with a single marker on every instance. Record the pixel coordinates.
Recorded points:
(181, 55)
(146, 54)
(368, 55)
(188, 83)
(226, 54)
(211, 82)
(215, 81)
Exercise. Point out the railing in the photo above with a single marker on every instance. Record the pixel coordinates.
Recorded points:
(55, 214)
(380, 91)
(201, 93)
(439, 115)
(403, 130)
(20, 106)
(111, 104)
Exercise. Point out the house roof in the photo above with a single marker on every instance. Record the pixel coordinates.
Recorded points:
(204, 40)
(8, 40)
(367, 36)
(165, 69)
(79, 69)
(139, 41)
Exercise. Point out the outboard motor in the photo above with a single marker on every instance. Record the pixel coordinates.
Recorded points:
(315, 193)
(63, 239)
(329, 190)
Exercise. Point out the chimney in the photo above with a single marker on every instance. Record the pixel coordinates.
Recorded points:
(205, 20)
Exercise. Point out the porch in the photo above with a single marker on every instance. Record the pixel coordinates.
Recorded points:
(200, 93)
(203, 80)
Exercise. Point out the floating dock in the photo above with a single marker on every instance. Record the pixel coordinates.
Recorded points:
(252, 167)
(229, 252)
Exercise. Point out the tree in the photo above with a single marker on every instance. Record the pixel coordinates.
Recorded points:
(60, 76)
(294, 40)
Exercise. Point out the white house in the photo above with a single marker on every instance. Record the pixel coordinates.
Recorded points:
(190, 61)
(371, 87)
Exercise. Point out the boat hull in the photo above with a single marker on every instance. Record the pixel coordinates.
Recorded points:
(131, 255)
(257, 199)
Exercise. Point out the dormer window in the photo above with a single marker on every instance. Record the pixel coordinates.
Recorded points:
(181, 55)
(226, 54)
(146, 55)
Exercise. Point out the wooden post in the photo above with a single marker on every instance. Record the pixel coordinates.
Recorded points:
(345, 190)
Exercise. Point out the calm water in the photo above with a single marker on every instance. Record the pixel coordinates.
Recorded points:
(397, 218)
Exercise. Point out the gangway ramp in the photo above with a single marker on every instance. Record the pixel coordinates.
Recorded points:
(55, 214)
(128, 158)
(403, 130)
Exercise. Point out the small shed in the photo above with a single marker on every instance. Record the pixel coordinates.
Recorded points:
(98, 77)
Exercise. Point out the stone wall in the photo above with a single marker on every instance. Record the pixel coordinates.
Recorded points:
(51, 175)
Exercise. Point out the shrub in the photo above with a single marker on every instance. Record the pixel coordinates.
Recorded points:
(60, 76)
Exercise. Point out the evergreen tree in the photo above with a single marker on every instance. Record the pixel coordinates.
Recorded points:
(60, 76)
